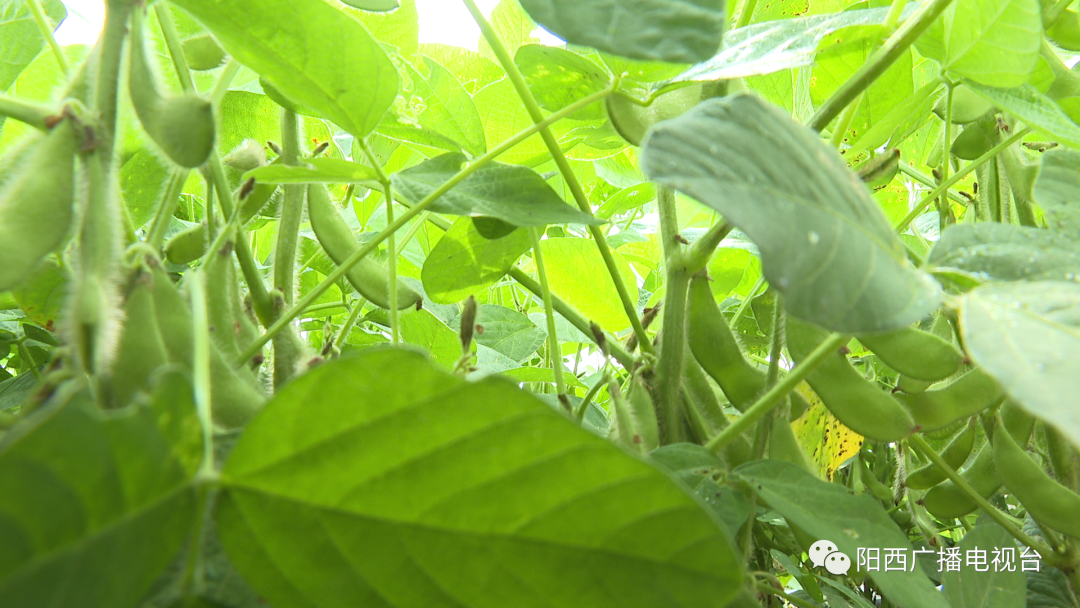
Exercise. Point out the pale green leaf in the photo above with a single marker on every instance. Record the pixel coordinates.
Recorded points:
(22, 39)
(1055, 191)
(447, 108)
(558, 78)
(381, 480)
(1027, 336)
(970, 588)
(1005, 252)
(464, 263)
(992, 42)
(317, 56)
(576, 272)
(825, 243)
(1034, 108)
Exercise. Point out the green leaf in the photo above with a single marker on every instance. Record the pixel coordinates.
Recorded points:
(558, 78)
(464, 262)
(969, 588)
(473, 70)
(382, 480)
(631, 197)
(829, 512)
(318, 56)
(373, 5)
(400, 29)
(1034, 108)
(1027, 336)
(512, 27)
(675, 31)
(577, 273)
(507, 331)
(505, 116)
(515, 195)
(22, 39)
(541, 374)
(44, 294)
(142, 180)
(910, 112)
(320, 171)
(447, 108)
(772, 46)
(424, 329)
(94, 506)
(1005, 252)
(1055, 191)
(825, 243)
(992, 42)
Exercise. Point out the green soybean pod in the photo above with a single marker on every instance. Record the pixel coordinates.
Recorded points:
(947, 501)
(181, 125)
(1046, 500)
(235, 398)
(879, 490)
(856, 402)
(188, 245)
(962, 398)
(222, 295)
(203, 53)
(140, 350)
(37, 205)
(967, 105)
(634, 424)
(716, 349)
(367, 276)
(940, 328)
(955, 454)
(915, 353)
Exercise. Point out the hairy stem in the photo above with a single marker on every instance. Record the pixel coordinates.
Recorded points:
(554, 351)
(669, 367)
(33, 114)
(46, 28)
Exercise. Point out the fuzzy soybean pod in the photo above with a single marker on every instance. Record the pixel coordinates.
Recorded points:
(141, 350)
(188, 245)
(940, 328)
(964, 397)
(1048, 501)
(222, 298)
(716, 349)
(367, 276)
(181, 125)
(955, 454)
(235, 398)
(915, 353)
(855, 401)
(37, 205)
(947, 501)
(635, 423)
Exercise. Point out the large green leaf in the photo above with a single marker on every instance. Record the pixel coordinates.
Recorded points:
(764, 48)
(676, 31)
(506, 331)
(313, 53)
(513, 194)
(142, 179)
(1034, 108)
(558, 78)
(1006, 252)
(825, 243)
(94, 507)
(577, 273)
(992, 42)
(830, 512)
(971, 588)
(464, 262)
(381, 480)
(22, 39)
(447, 108)
(1027, 336)
(1055, 191)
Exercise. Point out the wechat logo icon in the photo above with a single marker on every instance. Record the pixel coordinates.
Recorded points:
(825, 553)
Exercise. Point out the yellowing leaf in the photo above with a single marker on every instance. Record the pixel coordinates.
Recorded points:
(832, 442)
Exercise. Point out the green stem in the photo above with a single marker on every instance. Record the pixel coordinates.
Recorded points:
(549, 312)
(200, 365)
(31, 113)
(326, 306)
(349, 323)
(403, 219)
(176, 47)
(746, 13)
(697, 257)
(522, 87)
(28, 360)
(166, 208)
(110, 47)
(994, 513)
(776, 394)
(46, 28)
(391, 246)
(222, 86)
(846, 117)
(669, 366)
(880, 61)
(946, 154)
(959, 175)
(745, 304)
(292, 210)
(929, 182)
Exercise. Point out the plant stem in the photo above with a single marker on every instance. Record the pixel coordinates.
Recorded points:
(176, 47)
(403, 219)
(994, 513)
(507, 62)
(880, 61)
(200, 365)
(549, 312)
(750, 295)
(33, 114)
(391, 246)
(746, 13)
(698, 255)
(929, 182)
(846, 117)
(669, 366)
(222, 86)
(946, 153)
(292, 210)
(42, 21)
(166, 208)
(349, 323)
(961, 174)
(110, 46)
(776, 394)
